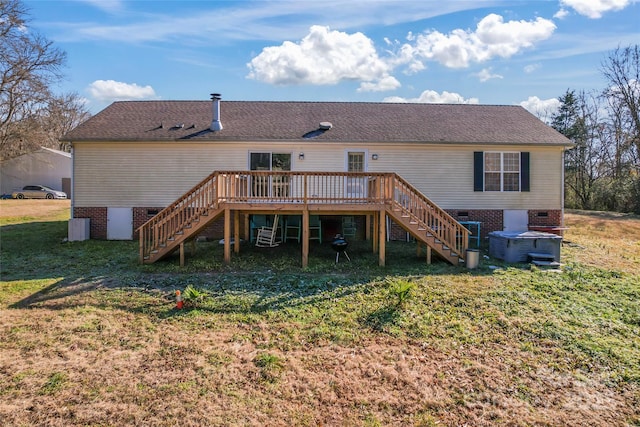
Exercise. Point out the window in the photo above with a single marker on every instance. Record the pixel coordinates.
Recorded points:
(356, 186)
(270, 161)
(269, 185)
(355, 162)
(501, 171)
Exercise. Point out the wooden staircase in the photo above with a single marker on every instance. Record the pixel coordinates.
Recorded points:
(428, 223)
(320, 192)
(181, 221)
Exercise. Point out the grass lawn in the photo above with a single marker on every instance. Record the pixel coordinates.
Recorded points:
(90, 337)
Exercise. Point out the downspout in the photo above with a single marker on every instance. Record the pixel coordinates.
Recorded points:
(73, 181)
(564, 152)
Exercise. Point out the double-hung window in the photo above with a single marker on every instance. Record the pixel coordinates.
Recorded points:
(501, 171)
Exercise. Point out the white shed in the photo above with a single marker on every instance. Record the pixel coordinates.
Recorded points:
(48, 167)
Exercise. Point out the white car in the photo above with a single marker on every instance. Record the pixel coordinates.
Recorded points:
(38, 192)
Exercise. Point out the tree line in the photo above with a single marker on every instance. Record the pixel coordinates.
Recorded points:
(602, 170)
(31, 114)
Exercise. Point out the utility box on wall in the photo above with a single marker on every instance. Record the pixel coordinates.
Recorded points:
(79, 229)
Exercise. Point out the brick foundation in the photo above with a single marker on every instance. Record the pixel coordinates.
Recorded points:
(545, 218)
(490, 220)
(97, 223)
(548, 221)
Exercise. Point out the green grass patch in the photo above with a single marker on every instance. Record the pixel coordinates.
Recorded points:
(583, 322)
(55, 383)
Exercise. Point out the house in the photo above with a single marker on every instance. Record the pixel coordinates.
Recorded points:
(496, 166)
(48, 167)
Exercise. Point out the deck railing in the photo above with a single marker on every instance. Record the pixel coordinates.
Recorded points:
(301, 187)
(429, 216)
(159, 230)
(296, 190)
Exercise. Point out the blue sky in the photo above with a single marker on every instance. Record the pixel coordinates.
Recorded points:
(476, 51)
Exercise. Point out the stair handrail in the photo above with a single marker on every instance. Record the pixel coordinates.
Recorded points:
(179, 214)
(429, 215)
(210, 193)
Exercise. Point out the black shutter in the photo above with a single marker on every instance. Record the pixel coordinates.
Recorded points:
(524, 172)
(478, 171)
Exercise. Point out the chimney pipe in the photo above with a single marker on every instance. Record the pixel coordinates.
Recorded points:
(216, 124)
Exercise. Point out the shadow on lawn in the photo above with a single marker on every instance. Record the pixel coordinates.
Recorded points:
(256, 280)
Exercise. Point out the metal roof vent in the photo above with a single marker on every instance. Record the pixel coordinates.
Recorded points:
(325, 125)
(216, 124)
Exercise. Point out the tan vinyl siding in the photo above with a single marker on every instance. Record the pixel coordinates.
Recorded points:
(155, 174)
(128, 175)
(445, 175)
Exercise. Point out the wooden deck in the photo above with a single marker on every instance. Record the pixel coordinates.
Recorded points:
(232, 193)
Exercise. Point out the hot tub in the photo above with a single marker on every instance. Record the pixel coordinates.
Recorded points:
(515, 246)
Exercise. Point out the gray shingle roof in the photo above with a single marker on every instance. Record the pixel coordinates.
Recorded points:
(291, 121)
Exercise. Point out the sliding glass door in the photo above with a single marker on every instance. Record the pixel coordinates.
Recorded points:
(272, 185)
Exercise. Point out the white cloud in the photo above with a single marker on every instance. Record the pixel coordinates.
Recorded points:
(433, 97)
(542, 108)
(384, 84)
(263, 20)
(595, 8)
(486, 75)
(561, 14)
(322, 57)
(531, 68)
(106, 5)
(492, 38)
(110, 90)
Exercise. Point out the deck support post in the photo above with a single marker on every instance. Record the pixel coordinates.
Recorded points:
(247, 231)
(181, 254)
(227, 235)
(376, 233)
(367, 227)
(236, 231)
(305, 238)
(381, 237)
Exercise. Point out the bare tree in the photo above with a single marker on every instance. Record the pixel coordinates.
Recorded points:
(622, 70)
(579, 119)
(29, 66)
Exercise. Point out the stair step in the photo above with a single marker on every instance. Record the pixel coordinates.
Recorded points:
(540, 263)
(541, 256)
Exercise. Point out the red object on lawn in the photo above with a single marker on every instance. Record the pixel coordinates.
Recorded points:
(179, 302)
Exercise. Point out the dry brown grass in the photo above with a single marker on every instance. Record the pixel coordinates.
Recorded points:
(89, 353)
(604, 239)
(29, 209)
(120, 369)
